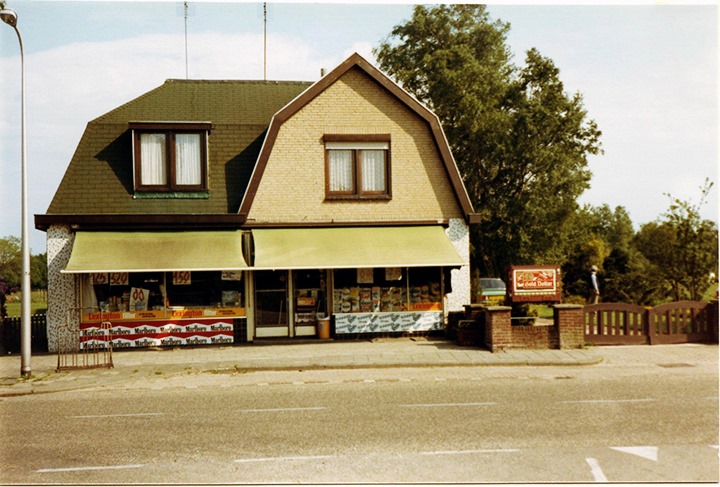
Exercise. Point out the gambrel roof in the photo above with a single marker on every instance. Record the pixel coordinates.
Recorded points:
(97, 189)
(358, 62)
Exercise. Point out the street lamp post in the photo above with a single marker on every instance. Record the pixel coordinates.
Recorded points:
(9, 16)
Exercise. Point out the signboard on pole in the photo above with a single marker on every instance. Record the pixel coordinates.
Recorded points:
(534, 284)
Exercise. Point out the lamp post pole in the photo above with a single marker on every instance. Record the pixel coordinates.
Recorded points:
(9, 16)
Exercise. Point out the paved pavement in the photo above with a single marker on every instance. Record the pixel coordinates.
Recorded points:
(132, 365)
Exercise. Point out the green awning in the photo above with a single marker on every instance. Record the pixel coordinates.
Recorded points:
(353, 247)
(156, 251)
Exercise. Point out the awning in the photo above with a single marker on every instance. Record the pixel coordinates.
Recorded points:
(156, 251)
(353, 247)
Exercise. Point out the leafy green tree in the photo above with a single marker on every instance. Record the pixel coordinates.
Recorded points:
(630, 278)
(38, 271)
(683, 247)
(520, 142)
(10, 269)
(10, 261)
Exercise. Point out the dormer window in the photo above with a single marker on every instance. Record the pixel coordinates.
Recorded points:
(170, 157)
(357, 166)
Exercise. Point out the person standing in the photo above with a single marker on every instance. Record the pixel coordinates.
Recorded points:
(594, 289)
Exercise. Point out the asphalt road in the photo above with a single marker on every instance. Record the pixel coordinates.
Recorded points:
(616, 423)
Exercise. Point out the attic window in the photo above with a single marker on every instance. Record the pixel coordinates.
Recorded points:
(357, 166)
(170, 157)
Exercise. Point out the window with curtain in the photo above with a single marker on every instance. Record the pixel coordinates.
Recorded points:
(357, 168)
(170, 157)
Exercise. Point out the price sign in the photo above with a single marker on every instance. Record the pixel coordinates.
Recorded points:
(139, 299)
(118, 278)
(181, 278)
(99, 278)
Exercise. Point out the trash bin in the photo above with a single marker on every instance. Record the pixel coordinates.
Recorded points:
(323, 328)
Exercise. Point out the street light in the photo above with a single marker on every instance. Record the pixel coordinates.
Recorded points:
(9, 16)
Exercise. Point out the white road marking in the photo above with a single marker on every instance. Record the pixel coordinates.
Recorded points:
(448, 404)
(607, 401)
(127, 415)
(275, 410)
(649, 452)
(465, 452)
(80, 469)
(280, 459)
(595, 470)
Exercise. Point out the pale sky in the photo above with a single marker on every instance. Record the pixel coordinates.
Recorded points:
(648, 74)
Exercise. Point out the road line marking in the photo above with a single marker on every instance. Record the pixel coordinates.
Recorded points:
(465, 452)
(607, 401)
(79, 469)
(275, 410)
(595, 470)
(280, 459)
(128, 415)
(648, 452)
(450, 404)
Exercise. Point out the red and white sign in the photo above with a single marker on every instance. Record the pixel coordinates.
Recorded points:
(535, 283)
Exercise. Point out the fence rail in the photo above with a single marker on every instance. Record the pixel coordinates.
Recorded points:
(678, 322)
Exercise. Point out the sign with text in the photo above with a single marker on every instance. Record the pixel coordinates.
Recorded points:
(535, 284)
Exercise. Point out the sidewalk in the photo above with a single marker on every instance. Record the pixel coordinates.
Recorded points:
(274, 356)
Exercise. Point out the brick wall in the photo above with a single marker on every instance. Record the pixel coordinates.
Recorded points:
(566, 331)
(292, 189)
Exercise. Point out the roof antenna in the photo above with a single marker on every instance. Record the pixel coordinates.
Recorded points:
(264, 41)
(186, 41)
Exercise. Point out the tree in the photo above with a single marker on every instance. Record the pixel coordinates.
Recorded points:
(10, 261)
(683, 247)
(10, 270)
(520, 142)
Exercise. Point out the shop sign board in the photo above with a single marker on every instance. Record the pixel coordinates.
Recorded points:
(534, 284)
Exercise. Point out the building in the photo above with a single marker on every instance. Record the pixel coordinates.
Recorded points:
(230, 211)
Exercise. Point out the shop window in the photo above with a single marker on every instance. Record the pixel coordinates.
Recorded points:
(155, 291)
(387, 290)
(370, 290)
(170, 157)
(357, 167)
(425, 285)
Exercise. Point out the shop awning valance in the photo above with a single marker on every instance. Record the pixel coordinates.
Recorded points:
(156, 251)
(353, 247)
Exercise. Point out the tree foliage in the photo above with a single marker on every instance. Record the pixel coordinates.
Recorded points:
(520, 142)
(682, 247)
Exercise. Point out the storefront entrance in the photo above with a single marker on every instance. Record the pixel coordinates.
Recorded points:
(271, 304)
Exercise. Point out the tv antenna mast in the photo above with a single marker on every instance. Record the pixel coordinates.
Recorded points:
(186, 40)
(264, 41)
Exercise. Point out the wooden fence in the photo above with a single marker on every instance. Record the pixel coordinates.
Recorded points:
(628, 324)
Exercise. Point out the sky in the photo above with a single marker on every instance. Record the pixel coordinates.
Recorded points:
(648, 75)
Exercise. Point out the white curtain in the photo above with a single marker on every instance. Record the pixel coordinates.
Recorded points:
(152, 159)
(373, 170)
(188, 159)
(341, 170)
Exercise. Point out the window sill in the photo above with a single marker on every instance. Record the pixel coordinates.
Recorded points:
(379, 197)
(172, 195)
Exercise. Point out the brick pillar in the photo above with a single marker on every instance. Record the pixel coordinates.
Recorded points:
(570, 324)
(498, 334)
(713, 320)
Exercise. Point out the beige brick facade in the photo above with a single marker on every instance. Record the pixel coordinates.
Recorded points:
(292, 189)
